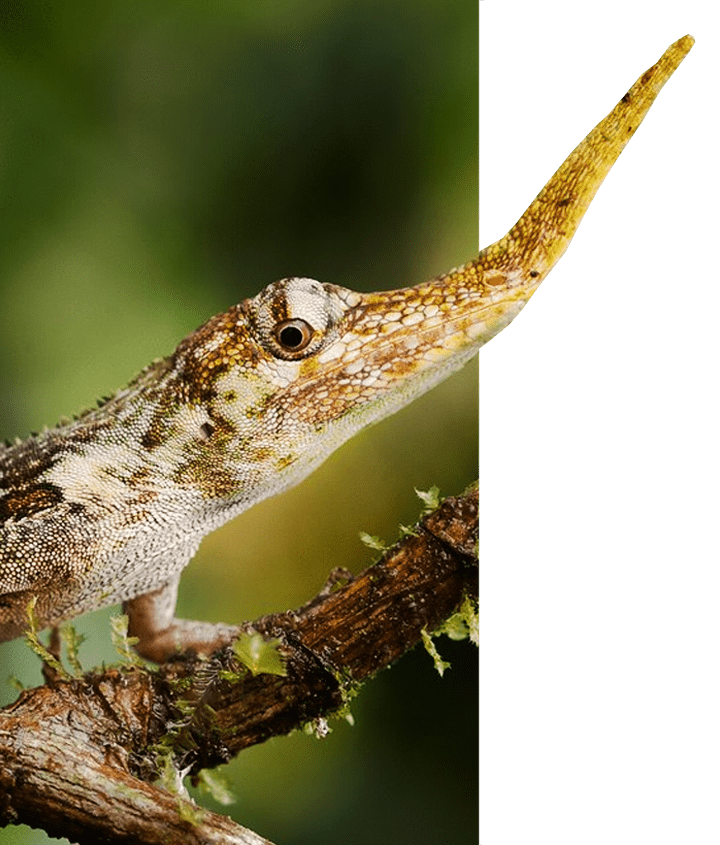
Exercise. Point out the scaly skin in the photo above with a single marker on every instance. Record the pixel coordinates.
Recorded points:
(112, 506)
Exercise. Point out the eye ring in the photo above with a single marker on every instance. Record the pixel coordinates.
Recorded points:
(293, 336)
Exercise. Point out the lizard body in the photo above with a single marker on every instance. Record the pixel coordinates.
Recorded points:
(111, 506)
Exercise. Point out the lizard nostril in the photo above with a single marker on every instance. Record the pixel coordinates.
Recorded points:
(293, 335)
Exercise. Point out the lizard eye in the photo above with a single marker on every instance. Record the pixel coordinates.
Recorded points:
(293, 335)
(294, 318)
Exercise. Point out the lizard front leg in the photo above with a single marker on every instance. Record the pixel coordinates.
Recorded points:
(151, 618)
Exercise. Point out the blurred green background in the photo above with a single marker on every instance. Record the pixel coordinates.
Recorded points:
(160, 161)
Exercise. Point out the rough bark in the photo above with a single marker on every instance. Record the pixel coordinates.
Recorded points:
(79, 758)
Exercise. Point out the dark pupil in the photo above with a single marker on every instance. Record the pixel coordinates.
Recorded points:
(291, 337)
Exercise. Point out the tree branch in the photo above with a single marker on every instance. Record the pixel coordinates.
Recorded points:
(79, 758)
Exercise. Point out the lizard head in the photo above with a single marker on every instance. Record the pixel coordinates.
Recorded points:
(282, 379)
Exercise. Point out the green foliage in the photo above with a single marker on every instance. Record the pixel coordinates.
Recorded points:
(465, 624)
(73, 641)
(258, 654)
(32, 639)
(430, 498)
(349, 689)
(170, 779)
(372, 542)
(440, 664)
(122, 643)
(215, 784)
(462, 625)
(230, 676)
(318, 728)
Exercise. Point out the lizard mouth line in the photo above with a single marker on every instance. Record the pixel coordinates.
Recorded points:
(377, 349)
(375, 352)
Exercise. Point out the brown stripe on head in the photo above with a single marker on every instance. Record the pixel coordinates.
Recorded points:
(218, 345)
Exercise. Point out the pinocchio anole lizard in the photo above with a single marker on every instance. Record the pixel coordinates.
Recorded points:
(111, 506)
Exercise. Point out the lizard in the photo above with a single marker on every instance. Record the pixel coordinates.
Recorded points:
(110, 506)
